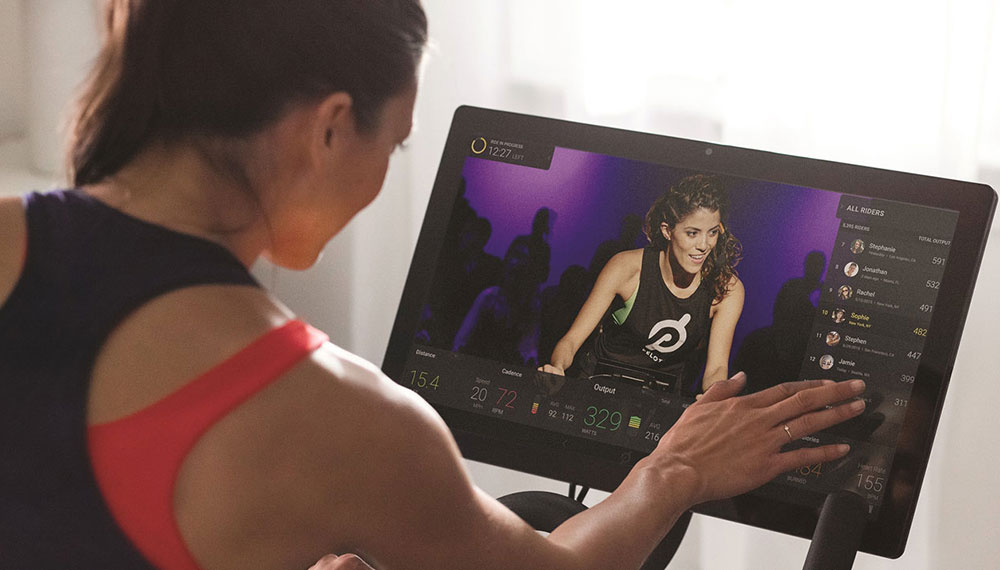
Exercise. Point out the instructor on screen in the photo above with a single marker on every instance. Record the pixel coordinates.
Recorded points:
(676, 291)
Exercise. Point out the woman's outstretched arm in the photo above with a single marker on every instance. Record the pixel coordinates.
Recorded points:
(335, 457)
(415, 507)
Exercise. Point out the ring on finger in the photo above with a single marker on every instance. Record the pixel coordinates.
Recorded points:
(788, 432)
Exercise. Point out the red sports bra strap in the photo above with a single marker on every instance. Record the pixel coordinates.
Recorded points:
(136, 459)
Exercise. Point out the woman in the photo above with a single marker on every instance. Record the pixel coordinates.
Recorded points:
(679, 293)
(160, 409)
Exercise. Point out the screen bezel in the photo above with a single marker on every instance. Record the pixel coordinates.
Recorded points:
(596, 465)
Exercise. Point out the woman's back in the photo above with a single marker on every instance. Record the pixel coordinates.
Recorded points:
(103, 317)
(77, 269)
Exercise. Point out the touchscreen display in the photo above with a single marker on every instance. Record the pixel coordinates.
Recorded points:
(836, 285)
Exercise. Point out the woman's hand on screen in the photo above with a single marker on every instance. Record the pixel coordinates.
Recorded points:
(733, 444)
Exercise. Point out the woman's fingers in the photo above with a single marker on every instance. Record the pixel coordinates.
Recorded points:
(781, 392)
(810, 423)
(735, 443)
(804, 401)
(807, 456)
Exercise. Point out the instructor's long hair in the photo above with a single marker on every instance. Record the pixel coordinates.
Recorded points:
(215, 71)
(680, 200)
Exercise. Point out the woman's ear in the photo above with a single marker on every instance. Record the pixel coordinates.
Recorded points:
(665, 230)
(334, 117)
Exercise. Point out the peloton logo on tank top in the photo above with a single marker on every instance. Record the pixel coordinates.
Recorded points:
(667, 336)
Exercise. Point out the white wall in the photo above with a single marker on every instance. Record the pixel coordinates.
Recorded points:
(13, 83)
(46, 48)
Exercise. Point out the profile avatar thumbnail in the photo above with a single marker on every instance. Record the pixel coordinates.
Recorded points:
(826, 362)
(845, 292)
(832, 338)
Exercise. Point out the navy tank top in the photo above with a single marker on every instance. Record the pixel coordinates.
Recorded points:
(87, 267)
(662, 332)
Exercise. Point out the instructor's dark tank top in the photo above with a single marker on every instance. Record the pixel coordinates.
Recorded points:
(661, 332)
(87, 267)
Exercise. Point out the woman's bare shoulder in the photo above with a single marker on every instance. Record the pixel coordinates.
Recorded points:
(625, 264)
(173, 339)
(301, 463)
(621, 274)
(733, 297)
(630, 257)
(734, 289)
(332, 448)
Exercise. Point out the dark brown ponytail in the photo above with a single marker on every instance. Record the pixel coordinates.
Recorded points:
(170, 69)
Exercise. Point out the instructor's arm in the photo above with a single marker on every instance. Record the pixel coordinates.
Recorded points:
(726, 315)
(620, 272)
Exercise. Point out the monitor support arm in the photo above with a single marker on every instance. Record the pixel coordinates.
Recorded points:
(837, 537)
